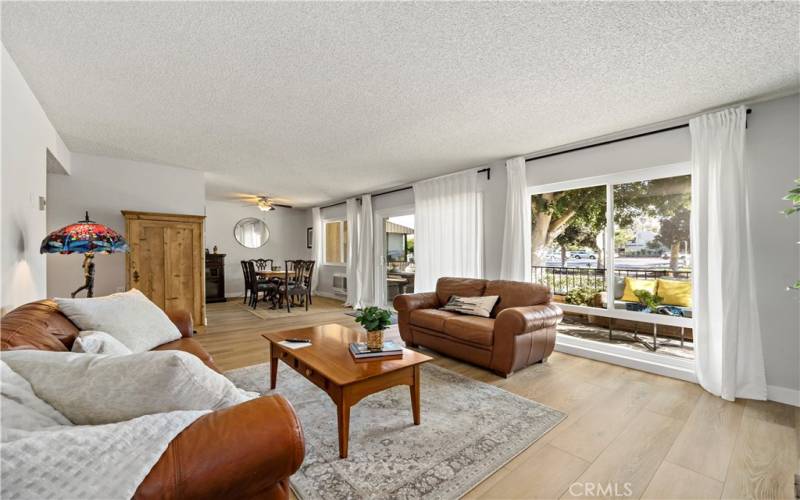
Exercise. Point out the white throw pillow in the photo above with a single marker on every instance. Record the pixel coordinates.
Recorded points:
(94, 342)
(129, 317)
(23, 411)
(475, 306)
(100, 389)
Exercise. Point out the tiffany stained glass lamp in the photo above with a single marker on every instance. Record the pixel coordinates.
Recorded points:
(86, 237)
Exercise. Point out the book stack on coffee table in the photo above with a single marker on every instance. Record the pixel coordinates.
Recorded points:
(390, 350)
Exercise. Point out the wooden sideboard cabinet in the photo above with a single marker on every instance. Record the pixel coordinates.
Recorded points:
(215, 277)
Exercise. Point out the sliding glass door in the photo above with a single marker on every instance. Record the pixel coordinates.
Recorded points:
(616, 252)
(395, 245)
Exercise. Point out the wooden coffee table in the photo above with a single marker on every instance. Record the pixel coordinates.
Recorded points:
(327, 363)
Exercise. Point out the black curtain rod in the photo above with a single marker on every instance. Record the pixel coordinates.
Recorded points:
(488, 171)
(612, 141)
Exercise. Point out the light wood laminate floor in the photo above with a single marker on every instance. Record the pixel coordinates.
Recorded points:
(628, 433)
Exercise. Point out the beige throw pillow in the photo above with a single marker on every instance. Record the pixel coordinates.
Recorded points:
(99, 389)
(129, 317)
(93, 342)
(475, 306)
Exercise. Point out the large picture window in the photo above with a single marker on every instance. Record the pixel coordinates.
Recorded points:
(616, 252)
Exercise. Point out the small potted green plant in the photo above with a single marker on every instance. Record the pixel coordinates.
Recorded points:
(374, 320)
(648, 300)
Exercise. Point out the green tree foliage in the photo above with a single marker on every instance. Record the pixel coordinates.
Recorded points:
(576, 217)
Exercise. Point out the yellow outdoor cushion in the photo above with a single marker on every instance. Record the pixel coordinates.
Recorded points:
(675, 293)
(633, 284)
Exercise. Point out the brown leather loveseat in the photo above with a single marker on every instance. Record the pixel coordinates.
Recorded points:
(520, 331)
(245, 451)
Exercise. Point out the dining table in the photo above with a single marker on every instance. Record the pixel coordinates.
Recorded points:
(272, 274)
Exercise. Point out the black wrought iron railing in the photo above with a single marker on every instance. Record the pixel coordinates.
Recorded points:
(564, 279)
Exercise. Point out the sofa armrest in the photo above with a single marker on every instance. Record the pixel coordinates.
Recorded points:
(519, 320)
(412, 301)
(183, 320)
(238, 452)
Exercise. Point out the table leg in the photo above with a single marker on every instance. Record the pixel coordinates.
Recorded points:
(415, 395)
(273, 366)
(343, 418)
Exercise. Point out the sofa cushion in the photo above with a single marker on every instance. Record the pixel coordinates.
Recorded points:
(92, 389)
(432, 319)
(130, 317)
(632, 285)
(474, 306)
(471, 329)
(675, 292)
(94, 342)
(516, 294)
(463, 287)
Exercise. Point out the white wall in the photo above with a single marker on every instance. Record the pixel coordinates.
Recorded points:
(287, 238)
(27, 135)
(772, 158)
(104, 187)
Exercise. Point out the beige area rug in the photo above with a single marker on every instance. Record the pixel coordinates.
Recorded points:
(320, 305)
(469, 430)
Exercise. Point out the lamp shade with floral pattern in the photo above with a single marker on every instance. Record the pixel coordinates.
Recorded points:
(85, 236)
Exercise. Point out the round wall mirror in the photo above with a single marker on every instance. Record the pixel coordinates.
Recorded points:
(251, 232)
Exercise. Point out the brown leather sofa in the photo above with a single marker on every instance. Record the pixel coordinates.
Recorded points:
(521, 330)
(245, 451)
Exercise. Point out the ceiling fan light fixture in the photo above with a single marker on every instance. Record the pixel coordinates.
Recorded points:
(265, 204)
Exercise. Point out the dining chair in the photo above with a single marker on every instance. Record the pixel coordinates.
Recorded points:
(296, 282)
(257, 285)
(263, 264)
(247, 284)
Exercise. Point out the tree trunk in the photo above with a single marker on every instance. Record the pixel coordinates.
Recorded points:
(674, 255)
(563, 256)
(539, 242)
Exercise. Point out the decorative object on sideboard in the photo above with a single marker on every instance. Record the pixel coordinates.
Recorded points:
(374, 320)
(215, 249)
(215, 277)
(251, 232)
(309, 236)
(86, 237)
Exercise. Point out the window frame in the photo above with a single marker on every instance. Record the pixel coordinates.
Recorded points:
(609, 181)
(342, 239)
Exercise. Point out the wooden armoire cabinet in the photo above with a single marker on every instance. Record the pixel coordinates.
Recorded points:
(166, 260)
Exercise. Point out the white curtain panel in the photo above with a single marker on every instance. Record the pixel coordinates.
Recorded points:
(729, 358)
(316, 246)
(365, 270)
(353, 223)
(515, 263)
(448, 238)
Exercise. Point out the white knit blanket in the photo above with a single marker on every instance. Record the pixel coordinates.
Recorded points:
(88, 461)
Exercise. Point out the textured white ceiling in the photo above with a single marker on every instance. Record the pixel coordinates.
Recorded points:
(315, 101)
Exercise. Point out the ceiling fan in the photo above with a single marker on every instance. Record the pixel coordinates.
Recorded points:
(263, 202)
